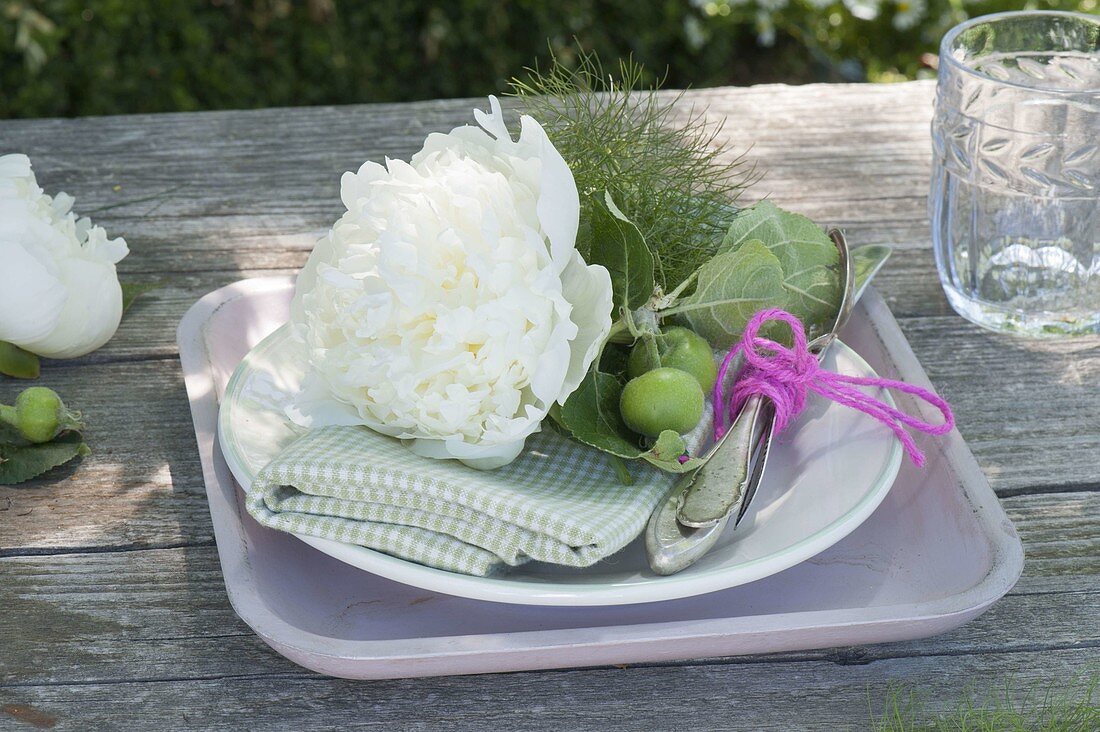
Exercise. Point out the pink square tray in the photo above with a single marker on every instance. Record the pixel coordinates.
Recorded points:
(936, 553)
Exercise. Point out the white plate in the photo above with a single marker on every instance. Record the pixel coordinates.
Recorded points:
(826, 474)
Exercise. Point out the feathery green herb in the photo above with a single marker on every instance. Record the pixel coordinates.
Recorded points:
(1071, 705)
(666, 168)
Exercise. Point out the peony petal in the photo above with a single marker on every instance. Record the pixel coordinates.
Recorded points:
(355, 187)
(588, 287)
(63, 204)
(499, 460)
(324, 252)
(31, 297)
(91, 314)
(493, 120)
(480, 457)
(559, 206)
(21, 222)
(98, 246)
(553, 365)
(15, 165)
(473, 141)
(314, 406)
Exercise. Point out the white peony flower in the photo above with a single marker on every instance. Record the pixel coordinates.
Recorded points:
(59, 292)
(449, 306)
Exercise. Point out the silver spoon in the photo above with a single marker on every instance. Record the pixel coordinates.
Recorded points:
(690, 519)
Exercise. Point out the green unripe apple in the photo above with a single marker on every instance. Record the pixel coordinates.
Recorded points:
(677, 348)
(662, 399)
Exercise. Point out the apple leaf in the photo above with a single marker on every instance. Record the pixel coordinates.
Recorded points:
(810, 262)
(730, 289)
(667, 451)
(132, 291)
(21, 463)
(591, 414)
(617, 244)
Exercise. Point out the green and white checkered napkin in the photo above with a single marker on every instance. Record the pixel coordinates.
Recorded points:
(558, 502)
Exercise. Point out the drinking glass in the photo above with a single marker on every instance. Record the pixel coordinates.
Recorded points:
(1015, 197)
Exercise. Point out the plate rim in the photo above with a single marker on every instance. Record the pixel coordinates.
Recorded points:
(564, 594)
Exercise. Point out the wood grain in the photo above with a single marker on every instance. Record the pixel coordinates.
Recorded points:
(141, 486)
(235, 186)
(765, 695)
(162, 613)
(112, 609)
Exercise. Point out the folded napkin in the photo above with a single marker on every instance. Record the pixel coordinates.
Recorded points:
(559, 502)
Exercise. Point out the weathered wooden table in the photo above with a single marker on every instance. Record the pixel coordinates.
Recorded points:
(112, 609)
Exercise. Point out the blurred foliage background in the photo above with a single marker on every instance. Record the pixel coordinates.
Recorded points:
(65, 58)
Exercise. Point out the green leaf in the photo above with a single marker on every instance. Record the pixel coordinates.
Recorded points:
(619, 466)
(591, 414)
(9, 435)
(14, 361)
(669, 446)
(553, 418)
(730, 289)
(132, 291)
(21, 463)
(866, 262)
(617, 244)
(666, 451)
(811, 275)
(613, 359)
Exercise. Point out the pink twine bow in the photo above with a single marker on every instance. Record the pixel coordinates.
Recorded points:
(786, 375)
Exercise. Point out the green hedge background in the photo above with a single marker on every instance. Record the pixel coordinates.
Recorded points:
(65, 58)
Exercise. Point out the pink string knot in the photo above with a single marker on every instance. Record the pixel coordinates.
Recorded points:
(785, 376)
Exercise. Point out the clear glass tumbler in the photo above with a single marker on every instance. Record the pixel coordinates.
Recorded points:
(1015, 198)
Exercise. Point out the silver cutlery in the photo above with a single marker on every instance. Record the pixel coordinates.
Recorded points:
(690, 519)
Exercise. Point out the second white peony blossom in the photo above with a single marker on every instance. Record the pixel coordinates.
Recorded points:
(449, 306)
(59, 291)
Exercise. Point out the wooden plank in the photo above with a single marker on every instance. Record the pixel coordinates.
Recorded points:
(142, 484)
(253, 189)
(753, 696)
(1026, 408)
(155, 614)
(1061, 540)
